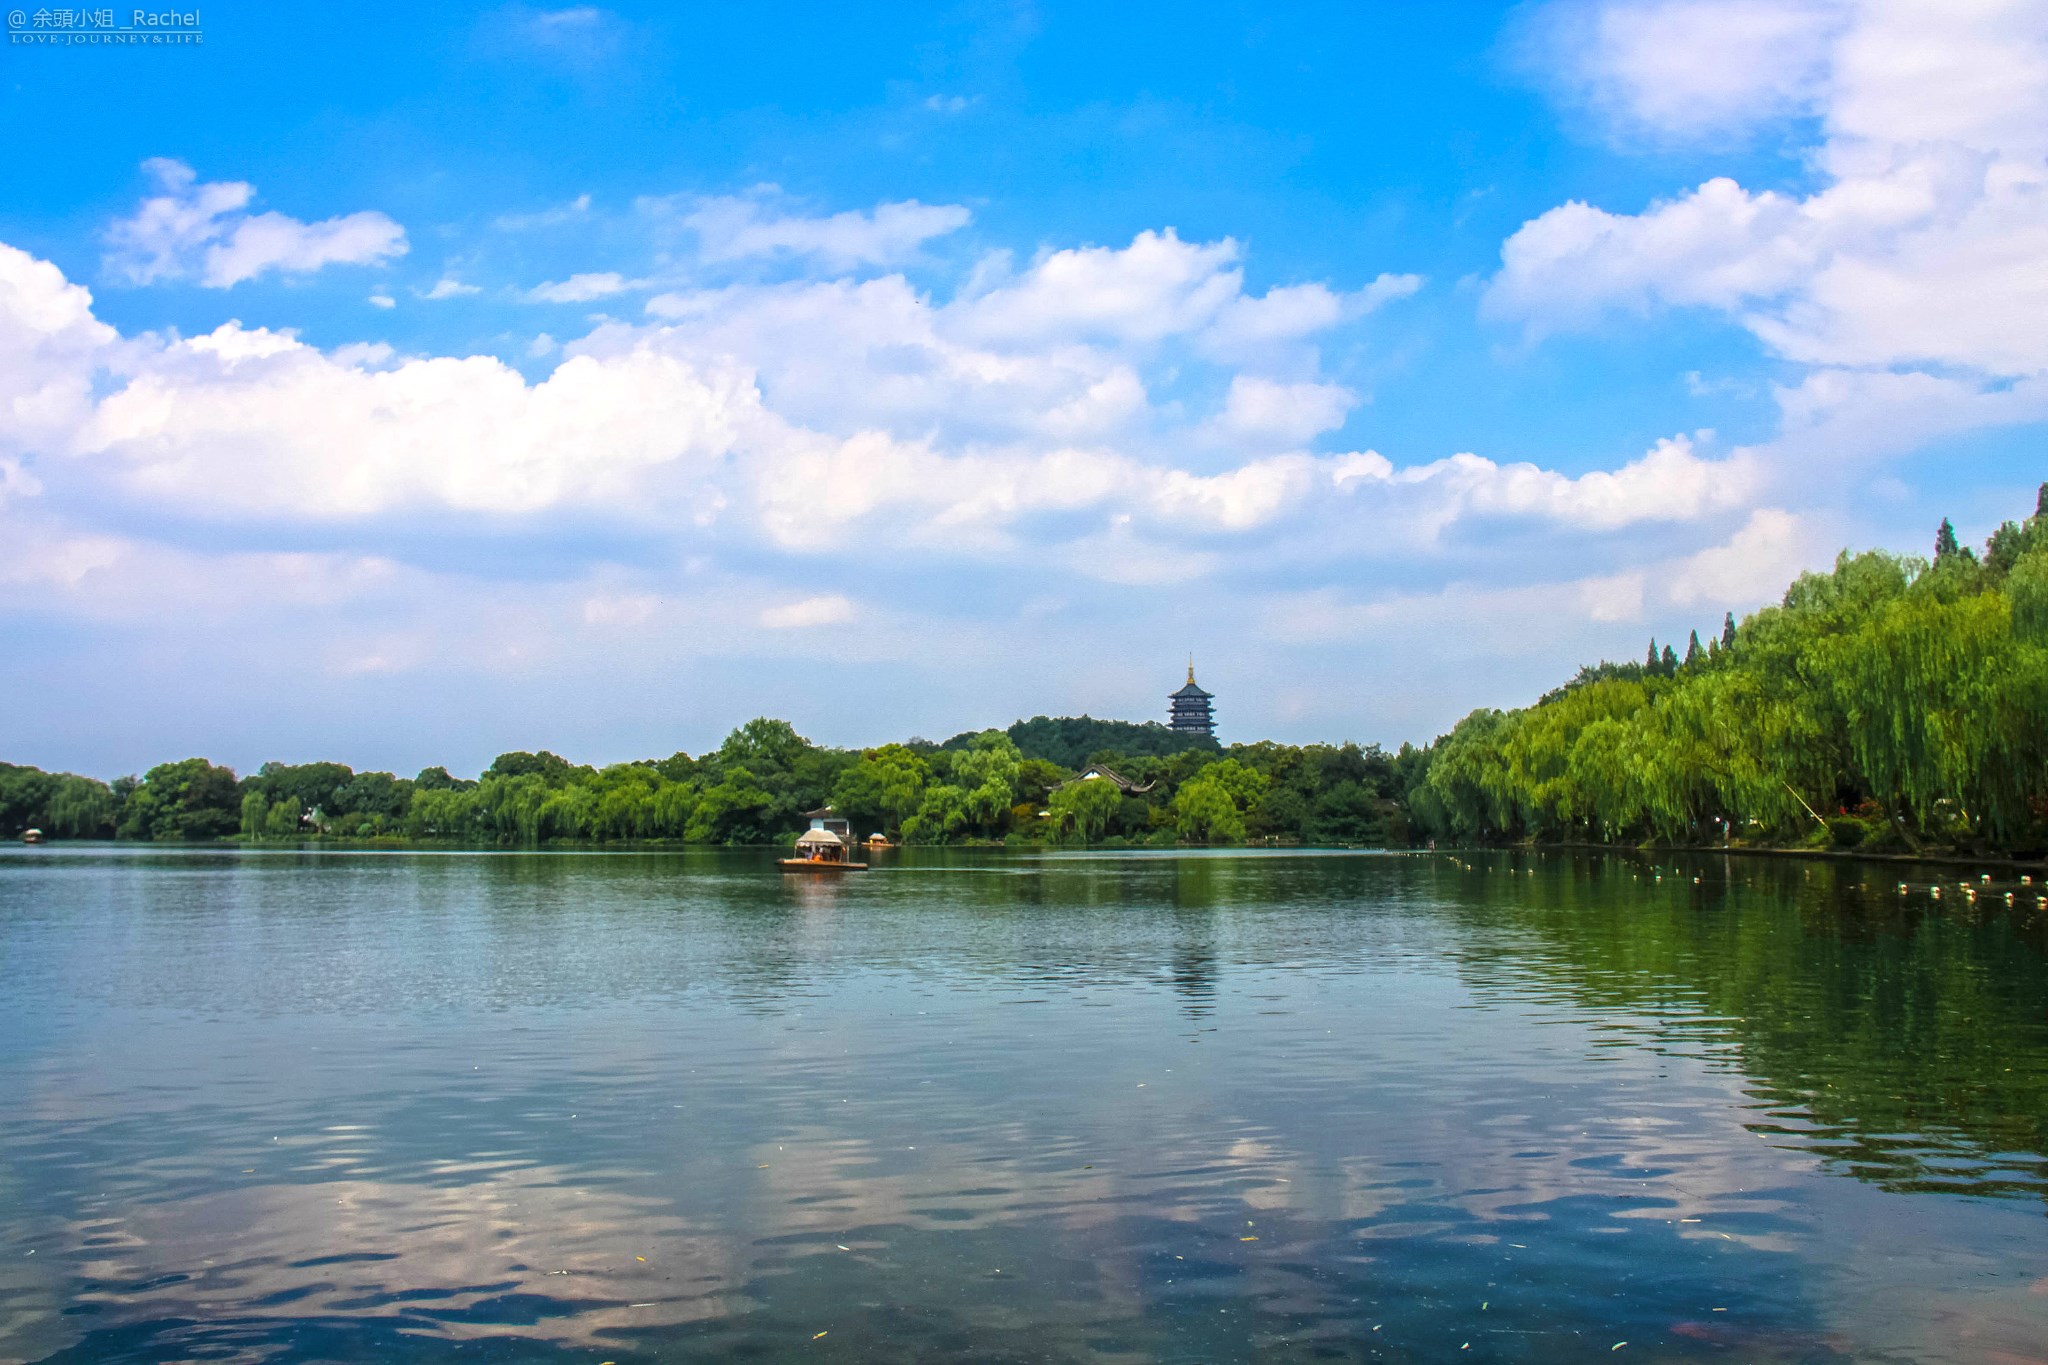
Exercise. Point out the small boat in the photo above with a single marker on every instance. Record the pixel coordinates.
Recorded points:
(820, 850)
(879, 840)
(31, 836)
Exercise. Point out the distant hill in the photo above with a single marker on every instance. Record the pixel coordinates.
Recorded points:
(1070, 740)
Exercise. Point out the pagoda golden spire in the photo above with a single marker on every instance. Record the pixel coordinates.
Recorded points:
(1191, 666)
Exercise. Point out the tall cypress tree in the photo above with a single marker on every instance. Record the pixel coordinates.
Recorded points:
(1669, 664)
(2041, 502)
(1945, 546)
(1728, 632)
(1692, 650)
(1650, 663)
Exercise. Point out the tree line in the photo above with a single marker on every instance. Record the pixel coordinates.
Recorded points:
(1890, 704)
(755, 788)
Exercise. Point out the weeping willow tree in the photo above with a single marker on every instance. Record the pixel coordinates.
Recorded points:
(1890, 701)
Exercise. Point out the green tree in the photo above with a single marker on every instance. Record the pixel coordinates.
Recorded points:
(281, 821)
(941, 812)
(189, 799)
(1203, 811)
(255, 808)
(883, 787)
(1085, 808)
(987, 771)
(733, 810)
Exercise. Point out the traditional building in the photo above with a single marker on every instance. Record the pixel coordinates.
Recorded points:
(1100, 772)
(1189, 712)
(829, 821)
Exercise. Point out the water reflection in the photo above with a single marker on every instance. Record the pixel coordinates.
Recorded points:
(1906, 1040)
(315, 1107)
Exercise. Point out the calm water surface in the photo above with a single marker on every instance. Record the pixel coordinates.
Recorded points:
(277, 1106)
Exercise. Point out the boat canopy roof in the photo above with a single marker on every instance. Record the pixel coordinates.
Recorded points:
(819, 838)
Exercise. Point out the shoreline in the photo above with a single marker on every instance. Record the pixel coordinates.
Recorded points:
(2018, 863)
(1987, 862)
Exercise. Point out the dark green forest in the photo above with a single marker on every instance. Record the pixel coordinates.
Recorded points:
(1890, 704)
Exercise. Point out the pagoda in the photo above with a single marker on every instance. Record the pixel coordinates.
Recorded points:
(1189, 711)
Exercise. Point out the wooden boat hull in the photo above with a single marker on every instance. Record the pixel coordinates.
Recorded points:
(817, 865)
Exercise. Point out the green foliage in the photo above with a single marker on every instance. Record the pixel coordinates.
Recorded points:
(988, 772)
(1204, 811)
(61, 805)
(1085, 809)
(882, 789)
(1072, 742)
(189, 799)
(1888, 699)
(255, 811)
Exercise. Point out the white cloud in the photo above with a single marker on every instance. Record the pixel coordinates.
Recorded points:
(1749, 568)
(584, 288)
(216, 425)
(1267, 413)
(192, 230)
(1155, 287)
(1667, 484)
(1922, 247)
(448, 287)
(1249, 496)
(1753, 566)
(1688, 67)
(1291, 312)
(735, 227)
(891, 422)
(807, 431)
(830, 610)
(382, 300)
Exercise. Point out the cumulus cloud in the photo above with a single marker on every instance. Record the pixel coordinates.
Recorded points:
(1922, 246)
(894, 418)
(1905, 287)
(196, 230)
(1155, 287)
(216, 425)
(1670, 483)
(448, 287)
(1688, 67)
(1266, 412)
(735, 227)
(727, 470)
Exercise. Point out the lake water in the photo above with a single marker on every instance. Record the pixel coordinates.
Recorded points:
(320, 1106)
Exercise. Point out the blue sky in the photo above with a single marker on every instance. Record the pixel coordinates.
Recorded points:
(403, 385)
